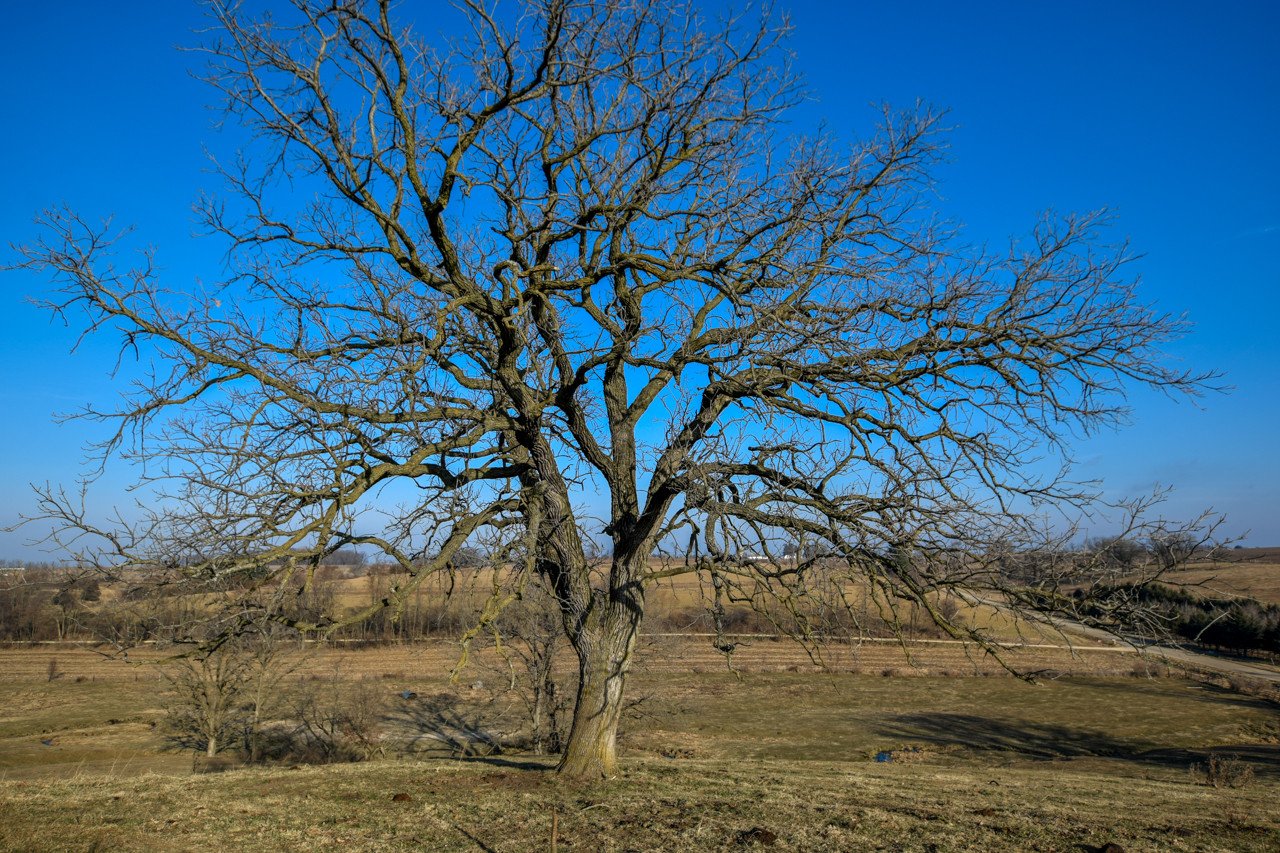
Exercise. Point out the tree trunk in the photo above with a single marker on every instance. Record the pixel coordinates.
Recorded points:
(212, 749)
(255, 740)
(538, 739)
(604, 659)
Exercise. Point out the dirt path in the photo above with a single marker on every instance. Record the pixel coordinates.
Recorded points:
(1225, 666)
(1203, 661)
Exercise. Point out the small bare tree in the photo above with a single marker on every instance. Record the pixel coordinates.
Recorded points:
(224, 692)
(529, 638)
(338, 719)
(569, 252)
(206, 707)
(268, 663)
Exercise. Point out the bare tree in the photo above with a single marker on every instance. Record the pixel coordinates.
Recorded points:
(227, 689)
(569, 252)
(529, 638)
(267, 664)
(338, 720)
(1117, 554)
(1172, 548)
(206, 707)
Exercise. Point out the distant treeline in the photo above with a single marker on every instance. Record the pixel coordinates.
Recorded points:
(1237, 624)
(63, 604)
(44, 604)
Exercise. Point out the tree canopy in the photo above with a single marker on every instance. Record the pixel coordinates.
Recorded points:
(569, 261)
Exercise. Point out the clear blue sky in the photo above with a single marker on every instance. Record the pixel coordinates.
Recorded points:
(1169, 113)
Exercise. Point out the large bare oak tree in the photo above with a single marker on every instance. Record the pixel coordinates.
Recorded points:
(568, 262)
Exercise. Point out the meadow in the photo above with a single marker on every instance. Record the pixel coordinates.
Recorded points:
(1250, 572)
(874, 750)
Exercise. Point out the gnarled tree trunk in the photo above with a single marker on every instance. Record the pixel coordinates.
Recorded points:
(604, 646)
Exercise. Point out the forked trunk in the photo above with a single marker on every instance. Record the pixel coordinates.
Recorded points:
(604, 659)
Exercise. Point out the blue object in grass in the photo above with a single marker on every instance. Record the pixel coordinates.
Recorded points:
(884, 757)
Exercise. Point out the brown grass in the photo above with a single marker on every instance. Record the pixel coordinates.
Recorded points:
(658, 653)
(655, 804)
(709, 757)
(1252, 573)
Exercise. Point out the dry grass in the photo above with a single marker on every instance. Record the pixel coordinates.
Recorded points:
(99, 712)
(712, 761)
(1253, 573)
(655, 804)
(23, 664)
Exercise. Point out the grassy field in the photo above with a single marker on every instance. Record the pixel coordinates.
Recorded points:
(1250, 572)
(782, 756)
(682, 603)
(653, 805)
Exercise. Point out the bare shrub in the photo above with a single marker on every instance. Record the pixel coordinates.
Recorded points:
(1266, 690)
(949, 608)
(528, 635)
(1247, 686)
(1149, 669)
(225, 695)
(337, 722)
(205, 710)
(1222, 771)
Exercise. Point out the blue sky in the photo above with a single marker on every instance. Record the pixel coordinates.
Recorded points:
(1167, 113)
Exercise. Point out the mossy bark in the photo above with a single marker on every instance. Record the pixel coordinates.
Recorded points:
(604, 659)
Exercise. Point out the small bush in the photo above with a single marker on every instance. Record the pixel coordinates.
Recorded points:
(337, 723)
(1145, 669)
(1265, 690)
(1222, 771)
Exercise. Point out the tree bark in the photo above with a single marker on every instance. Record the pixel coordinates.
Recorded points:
(604, 659)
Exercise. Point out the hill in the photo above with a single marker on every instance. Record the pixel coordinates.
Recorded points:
(1246, 573)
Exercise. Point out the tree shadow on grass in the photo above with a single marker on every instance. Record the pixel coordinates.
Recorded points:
(428, 722)
(512, 763)
(445, 722)
(1034, 740)
(1048, 742)
(1196, 691)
